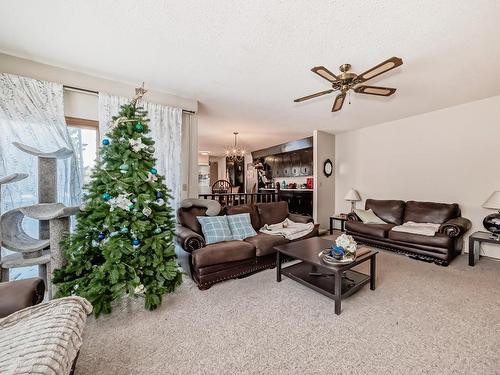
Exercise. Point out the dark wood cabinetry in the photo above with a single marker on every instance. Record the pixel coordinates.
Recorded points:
(299, 201)
(290, 164)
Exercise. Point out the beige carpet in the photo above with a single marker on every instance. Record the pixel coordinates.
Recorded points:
(421, 319)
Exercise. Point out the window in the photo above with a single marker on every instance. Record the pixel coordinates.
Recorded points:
(85, 135)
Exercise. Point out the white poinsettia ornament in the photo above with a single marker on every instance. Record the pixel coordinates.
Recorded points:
(121, 201)
(137, 144)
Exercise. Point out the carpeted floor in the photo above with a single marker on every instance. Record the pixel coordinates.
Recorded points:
(421, 319)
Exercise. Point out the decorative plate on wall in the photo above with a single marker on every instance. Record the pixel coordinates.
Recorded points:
(328, 167)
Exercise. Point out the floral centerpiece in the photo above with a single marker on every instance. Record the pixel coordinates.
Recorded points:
(344, 247)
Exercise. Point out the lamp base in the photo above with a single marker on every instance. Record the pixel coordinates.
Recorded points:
(492, 224)
(353, 206)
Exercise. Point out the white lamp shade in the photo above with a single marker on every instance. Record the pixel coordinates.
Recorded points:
(493, 202)
(352, 195)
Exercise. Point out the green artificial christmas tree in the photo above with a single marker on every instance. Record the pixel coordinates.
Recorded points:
(123, 241)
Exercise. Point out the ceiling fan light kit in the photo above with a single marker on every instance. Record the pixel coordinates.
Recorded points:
(347, 80)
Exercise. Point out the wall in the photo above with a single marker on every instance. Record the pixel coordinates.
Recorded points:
(450, 155)
(324, 187)
(83, 105)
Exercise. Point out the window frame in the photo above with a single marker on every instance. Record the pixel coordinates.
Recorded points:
(83, 123)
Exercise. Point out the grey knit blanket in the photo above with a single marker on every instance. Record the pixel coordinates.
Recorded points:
(43, 339)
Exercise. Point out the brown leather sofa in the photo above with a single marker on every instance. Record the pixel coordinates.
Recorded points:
(440, 248)
(17, 295)
(210, 264)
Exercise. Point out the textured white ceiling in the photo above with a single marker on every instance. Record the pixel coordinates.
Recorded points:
(245, 61)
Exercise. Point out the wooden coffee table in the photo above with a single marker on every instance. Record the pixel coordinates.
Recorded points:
(334, 281)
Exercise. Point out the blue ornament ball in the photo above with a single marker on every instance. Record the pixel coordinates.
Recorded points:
(157, 231)
(124, 168)
(158, 194)
(106, 196)
(124, 230)
(105, 142)
(153, 170)
(136, 242)
(101, 236)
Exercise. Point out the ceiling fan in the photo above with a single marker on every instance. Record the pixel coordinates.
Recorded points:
(347, 80)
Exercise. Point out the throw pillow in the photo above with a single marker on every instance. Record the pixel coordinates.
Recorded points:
(215, 229)
(241, 226)
(368, 217)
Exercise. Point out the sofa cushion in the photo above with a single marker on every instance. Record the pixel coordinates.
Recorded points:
(438, 240)
(264, 243)
(430, 212)
(215, 229)
(243, 209)
(240, 226)
(187, 218)
(272, 213)
(372, 230)
(222, 252)
(391, 211)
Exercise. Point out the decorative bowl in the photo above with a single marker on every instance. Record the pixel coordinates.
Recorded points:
(328, 259)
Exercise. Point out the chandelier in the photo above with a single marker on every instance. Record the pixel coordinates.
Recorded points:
(235, 153)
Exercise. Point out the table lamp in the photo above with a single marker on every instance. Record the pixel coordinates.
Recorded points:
(353, 197)
(492, 222)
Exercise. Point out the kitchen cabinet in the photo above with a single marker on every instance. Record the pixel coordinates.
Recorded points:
(306, 163)
(290, 164)
(286, 165)
(299, 201)
(296, 163)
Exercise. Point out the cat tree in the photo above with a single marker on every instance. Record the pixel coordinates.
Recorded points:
(54, 221)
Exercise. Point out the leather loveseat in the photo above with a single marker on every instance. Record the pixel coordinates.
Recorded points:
(209, 264)
(440, 248)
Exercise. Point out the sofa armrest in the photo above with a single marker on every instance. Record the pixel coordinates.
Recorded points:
(455, 227)
(17, 295)
(300, 218)
(351, 216)
(188, 239)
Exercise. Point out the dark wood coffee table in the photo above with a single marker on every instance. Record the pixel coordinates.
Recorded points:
(334, 281)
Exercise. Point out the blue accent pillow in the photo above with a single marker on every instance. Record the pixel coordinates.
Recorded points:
(215, 229)
(241, 226)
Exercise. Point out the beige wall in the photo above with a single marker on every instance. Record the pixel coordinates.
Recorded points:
(19, 66)
(324, 187)
(450, 155)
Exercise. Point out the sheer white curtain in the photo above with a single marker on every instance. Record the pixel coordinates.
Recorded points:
(165, 124)
(32, 113)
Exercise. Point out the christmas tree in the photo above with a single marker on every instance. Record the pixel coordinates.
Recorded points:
(123, 241)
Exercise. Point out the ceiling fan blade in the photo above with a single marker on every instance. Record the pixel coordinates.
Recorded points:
(325, 73)
(313, 96)
(339, 101)
(375, 90)
(383, 67)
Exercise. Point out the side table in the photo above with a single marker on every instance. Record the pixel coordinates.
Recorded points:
(340, 218)
(475, 240)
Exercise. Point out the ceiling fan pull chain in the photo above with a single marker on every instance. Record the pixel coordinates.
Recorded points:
(349, 96)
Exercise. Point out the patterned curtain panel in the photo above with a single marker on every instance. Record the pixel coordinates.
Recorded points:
(32, 113)
(165, 123)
